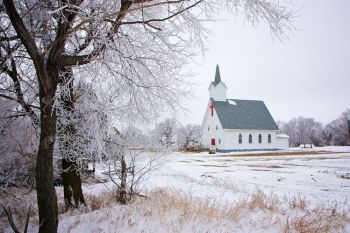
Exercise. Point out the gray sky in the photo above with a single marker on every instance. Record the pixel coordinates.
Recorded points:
(307, 75)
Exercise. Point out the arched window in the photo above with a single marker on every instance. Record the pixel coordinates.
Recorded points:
(260, 138)
(250, 138)
(208, 128)
(217, 127)
(240, 139)
(269, 138)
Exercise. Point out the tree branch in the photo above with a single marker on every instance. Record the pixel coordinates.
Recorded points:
(28, 43)
(14, 99)
(84, 59)
(163, 19)
(68, 60)
(57, 47)
(11, 38)
(19, 93)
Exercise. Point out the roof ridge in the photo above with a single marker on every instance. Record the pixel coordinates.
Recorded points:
(244, 100)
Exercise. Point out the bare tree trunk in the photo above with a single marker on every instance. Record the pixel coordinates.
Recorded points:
(122, 191)
(73, 194)
(46, 194)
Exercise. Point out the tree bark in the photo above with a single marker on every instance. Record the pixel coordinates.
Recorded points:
(46, 194)
(73, 194)
(122, 192)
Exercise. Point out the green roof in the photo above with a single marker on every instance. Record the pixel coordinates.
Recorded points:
(244, 114)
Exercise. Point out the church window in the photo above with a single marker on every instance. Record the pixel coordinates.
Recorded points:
(219, 141)
(208, 128)
(240, 139)
(216, 127)
(260, 138)
(250, 138)
(269, 138)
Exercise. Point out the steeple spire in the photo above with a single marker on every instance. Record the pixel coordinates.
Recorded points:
(217, 75)
(217, 89)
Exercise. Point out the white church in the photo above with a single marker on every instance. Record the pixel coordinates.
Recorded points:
(238, 125)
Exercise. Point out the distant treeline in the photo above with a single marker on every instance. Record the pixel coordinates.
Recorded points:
(303, 130)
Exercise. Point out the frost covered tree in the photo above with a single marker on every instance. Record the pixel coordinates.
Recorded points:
(303, 130)
(337, 131)
(80, 129)
(188, 134)
(164, 132)
(124, 168)
(18, 114)
(135, 138)
(140, 45)
(17, 148)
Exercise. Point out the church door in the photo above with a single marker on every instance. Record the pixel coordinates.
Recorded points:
(213, 141)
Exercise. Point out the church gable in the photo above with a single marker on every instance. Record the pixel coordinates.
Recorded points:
(211, 119)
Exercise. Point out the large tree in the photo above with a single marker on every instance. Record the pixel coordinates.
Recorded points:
(142, 45)
(188, 134)
(164, 132)
(303, 130)
(337, 131)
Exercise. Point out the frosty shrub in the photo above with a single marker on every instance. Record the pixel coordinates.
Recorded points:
(17, 148)
(189, 136)
(125, 168)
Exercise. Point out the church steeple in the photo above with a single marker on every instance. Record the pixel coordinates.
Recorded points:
(217, 89)
(217, 76)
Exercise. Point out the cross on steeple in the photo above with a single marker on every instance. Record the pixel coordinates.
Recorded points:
(212, 109)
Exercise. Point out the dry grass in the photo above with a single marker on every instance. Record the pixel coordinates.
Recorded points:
(19, 200)
(319, 219)
(95, 202)
(259, 200)
(298, 202)
(176, 210)
(326, 222)
(190, 208)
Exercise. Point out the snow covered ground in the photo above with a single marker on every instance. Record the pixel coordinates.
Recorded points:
(307, 192)
(320, 177)
(198, 192)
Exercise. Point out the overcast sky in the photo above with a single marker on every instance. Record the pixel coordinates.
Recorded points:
(306, 75)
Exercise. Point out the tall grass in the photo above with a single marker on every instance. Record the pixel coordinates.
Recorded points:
(176, 210)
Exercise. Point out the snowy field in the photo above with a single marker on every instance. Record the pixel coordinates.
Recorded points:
(320, 177)
(197, 192)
